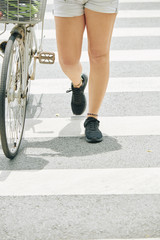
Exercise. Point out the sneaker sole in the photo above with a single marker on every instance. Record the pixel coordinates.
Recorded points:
(94, 140)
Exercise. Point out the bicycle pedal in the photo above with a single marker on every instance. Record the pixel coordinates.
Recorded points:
(46, 57)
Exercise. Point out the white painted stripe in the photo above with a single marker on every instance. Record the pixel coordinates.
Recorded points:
(80, 181)
(128, 238)
(121, 1)
(117, 32)
(123, 55)
(126, 55)
(73, 127)
(138, 14)
(136, 1)
(124, 14)
(50, 2)
(132, 84)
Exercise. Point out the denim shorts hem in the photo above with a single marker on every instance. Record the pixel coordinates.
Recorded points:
(69, 8)
(104, 11)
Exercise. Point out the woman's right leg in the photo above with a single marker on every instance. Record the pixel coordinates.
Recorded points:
(69, 37)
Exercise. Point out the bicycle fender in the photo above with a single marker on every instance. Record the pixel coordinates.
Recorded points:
(19, 31)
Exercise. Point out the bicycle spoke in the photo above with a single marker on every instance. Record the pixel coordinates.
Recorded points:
(14, 107)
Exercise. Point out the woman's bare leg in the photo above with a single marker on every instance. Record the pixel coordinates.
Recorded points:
(99, 30)
(69, 36)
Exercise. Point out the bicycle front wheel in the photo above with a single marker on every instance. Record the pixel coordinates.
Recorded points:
(12, 97)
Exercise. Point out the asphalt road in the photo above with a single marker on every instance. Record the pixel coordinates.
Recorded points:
(59, 186)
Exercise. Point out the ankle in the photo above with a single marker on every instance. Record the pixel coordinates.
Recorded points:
(78, 85)
(92, 115)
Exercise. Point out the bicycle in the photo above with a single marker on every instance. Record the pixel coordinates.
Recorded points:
(19, 55)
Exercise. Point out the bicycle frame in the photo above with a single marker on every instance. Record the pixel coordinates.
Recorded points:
(27, 39)
(23, 44)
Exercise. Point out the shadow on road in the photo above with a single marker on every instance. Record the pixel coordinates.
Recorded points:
(58, 152)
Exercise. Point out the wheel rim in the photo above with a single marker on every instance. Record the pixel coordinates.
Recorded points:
(15, 100)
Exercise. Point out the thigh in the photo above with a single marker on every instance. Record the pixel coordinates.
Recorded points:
(99, 31)
(69, 37)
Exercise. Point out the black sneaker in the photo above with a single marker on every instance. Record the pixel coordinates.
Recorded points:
(78, 102)
(93, 134)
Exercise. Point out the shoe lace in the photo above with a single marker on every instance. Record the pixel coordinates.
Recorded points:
(92, 125)
(76, 93)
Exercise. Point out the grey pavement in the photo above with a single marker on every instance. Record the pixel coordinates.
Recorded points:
(89, 217)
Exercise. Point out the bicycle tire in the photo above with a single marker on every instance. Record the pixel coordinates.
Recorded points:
(10, 152)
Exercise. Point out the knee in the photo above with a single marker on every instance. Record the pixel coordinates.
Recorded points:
(98, 56)
(68, 61)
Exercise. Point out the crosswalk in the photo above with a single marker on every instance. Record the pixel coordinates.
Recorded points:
(82, 182)
(60, 187)
(117, 32)
(112, 126)
(127, 84)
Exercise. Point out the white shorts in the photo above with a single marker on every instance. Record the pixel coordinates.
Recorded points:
(73, 8)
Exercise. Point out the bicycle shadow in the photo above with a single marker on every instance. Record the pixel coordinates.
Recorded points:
(61, 152)
(71, 141)
(68, 150)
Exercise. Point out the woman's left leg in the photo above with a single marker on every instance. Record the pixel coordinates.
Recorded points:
(99, 31)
